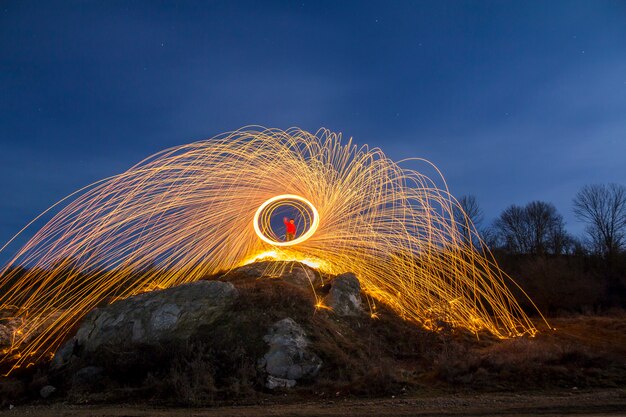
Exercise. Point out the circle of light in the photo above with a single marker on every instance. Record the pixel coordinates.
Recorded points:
(303, 237)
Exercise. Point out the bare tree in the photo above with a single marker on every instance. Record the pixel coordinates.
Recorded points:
(470, 206)
(468, 214)
(603, 208)
(490, 237)
(559, 241)
(536, 228)
(546, 226)
(512, 228)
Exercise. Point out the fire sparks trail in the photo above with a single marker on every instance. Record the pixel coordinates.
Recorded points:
(189, 211)
(306, 212)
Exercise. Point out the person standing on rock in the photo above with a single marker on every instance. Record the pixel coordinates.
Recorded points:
(290, 229)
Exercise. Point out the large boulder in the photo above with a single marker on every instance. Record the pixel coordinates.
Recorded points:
(344, 297)
(87, 376)
(172, 314)
(47, 391)
(288, 358)
(295, 273)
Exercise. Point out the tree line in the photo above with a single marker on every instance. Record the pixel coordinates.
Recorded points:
(561, 272)
(537, 228)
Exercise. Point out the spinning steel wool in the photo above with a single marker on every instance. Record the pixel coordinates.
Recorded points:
(193, 210)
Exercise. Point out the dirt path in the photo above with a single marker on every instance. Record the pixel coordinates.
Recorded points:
(580, 403)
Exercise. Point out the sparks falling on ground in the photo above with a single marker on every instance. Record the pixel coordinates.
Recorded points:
(193, 210)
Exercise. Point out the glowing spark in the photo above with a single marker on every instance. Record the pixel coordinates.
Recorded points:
(193, 210)
(289, 256)
(322, 306)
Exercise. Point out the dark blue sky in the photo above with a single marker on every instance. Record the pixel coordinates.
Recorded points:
(514, 101)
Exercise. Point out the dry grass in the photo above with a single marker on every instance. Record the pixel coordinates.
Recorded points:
(362, 357)
(570, 356)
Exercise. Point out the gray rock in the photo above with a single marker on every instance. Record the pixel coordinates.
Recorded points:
(7, 331)
(288, 357)
(301, 275)
(273, 382)
(63, 355)
(293, 272)
(87, 376)
(345, 295)
(151, 318)
(47, 391)
(253, 270)
(5, 335)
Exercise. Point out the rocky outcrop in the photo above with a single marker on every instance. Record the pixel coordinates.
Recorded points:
(344, 297)
(8, 326)
(288, 358)
(150, 318)
(47, 391)
(170, 329)
(295, 273)
(87, 376)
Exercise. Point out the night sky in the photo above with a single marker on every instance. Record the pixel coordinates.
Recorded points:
(513, 101)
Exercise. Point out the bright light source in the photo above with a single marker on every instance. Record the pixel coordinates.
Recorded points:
(287, 199)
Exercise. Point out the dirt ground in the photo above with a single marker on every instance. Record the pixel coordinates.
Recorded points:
(608, 402)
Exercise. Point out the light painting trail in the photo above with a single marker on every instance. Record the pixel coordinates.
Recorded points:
(262, 218)
(193, 210)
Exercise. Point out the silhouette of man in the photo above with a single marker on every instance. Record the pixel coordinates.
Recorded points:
(290, 229)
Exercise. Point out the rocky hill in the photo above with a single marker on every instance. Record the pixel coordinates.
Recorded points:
(283, 327)
(258, 328)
